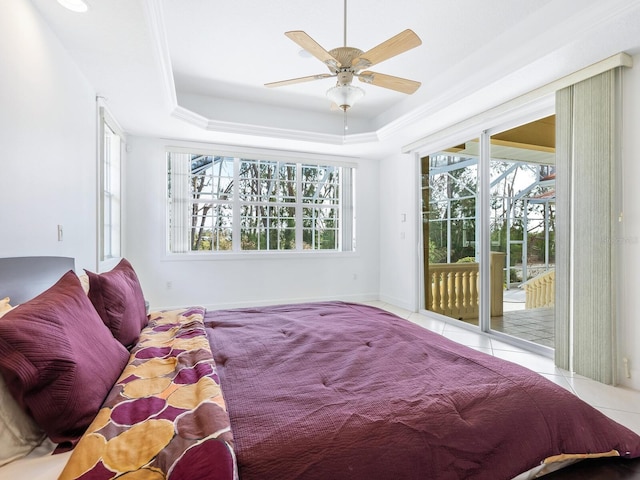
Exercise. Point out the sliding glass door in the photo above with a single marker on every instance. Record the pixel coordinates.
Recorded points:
(449, 214)
(522, 229)
(488, 211)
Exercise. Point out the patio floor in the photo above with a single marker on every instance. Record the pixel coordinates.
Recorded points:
(535, 324)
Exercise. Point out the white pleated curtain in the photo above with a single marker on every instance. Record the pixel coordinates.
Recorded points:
(179, 241)
(587, 183)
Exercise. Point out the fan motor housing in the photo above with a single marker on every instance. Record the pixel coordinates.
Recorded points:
(345, 55)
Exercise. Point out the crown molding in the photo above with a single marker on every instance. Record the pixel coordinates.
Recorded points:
(212, 125)
(155, 20)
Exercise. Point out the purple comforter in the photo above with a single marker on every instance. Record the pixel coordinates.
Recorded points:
(344, 391)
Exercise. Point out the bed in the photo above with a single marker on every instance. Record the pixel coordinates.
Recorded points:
(317, 390)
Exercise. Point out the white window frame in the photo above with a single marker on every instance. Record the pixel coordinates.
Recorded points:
(347, 242)
(110, 189)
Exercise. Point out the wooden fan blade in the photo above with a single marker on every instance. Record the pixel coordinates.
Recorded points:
(313, 47)
(394, 46)
(388, 81)
(299, 80)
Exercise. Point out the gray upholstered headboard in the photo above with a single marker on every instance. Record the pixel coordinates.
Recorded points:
(22, 278)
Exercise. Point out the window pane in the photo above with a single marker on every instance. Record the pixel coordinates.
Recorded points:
(320, 184)
(522, 221)
(110, 193)
(267, 181)
(212, 198)
(211, 177)
(451, 266)
(268, 227)
(321, 228)
(211, 227)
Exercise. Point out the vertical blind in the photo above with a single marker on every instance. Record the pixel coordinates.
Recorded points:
(180, 165)
(587, 162)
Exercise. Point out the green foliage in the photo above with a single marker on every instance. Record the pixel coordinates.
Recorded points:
(449, 204)
(467, 260)
(437, 254)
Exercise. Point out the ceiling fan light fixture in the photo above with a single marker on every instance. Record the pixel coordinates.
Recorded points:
(345, 96)
(79, 6)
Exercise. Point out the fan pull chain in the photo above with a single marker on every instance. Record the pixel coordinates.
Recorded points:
(346, 128)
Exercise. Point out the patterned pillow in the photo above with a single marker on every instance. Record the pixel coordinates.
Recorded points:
(118, 299)
(58, 359)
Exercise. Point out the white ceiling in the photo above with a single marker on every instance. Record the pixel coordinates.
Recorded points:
(195, 69)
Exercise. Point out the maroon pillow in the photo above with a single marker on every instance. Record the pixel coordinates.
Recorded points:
(58, 359)
(118, 299)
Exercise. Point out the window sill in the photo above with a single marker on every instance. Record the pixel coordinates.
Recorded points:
(224, 256)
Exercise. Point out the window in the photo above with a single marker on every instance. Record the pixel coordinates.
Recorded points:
(221, 203)
(110, 192)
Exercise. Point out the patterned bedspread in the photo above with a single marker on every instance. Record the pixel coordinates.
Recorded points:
(165, 417)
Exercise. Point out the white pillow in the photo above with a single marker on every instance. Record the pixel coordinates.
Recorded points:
(19, 434)
(84, 281)
(4, 306)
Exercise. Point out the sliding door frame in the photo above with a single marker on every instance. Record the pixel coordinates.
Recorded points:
(484, 130)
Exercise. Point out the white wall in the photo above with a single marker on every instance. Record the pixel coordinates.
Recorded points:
(398, 231)
(47, 134)
(629, 333)
(242, 281)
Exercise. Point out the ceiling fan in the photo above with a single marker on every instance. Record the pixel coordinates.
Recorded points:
(345, 62)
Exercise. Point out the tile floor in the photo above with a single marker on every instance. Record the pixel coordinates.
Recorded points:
(620, 404)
